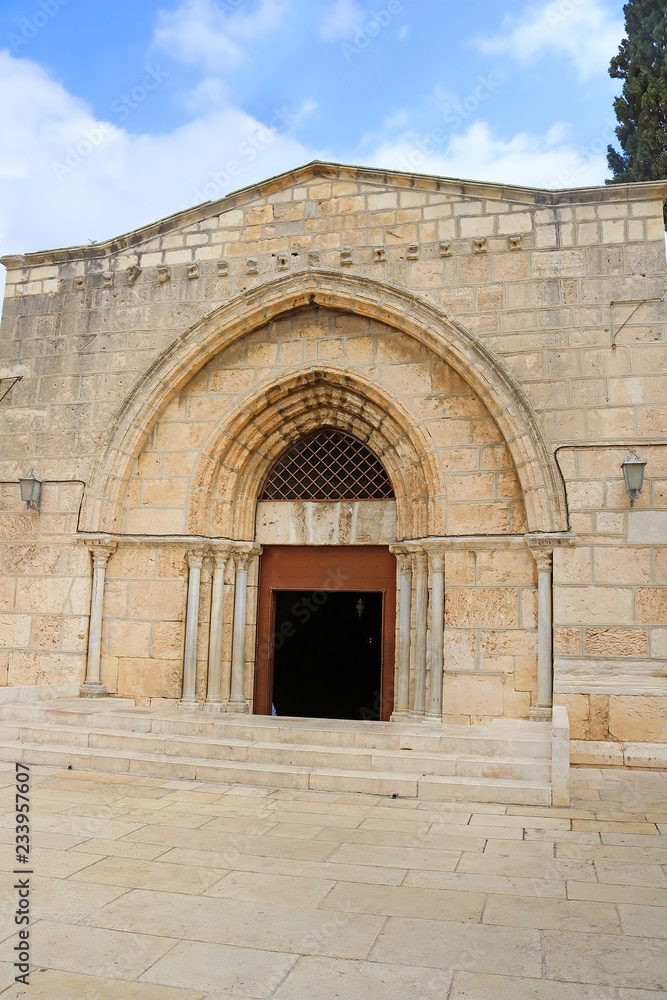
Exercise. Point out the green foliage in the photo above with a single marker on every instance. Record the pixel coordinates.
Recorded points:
(641, 109)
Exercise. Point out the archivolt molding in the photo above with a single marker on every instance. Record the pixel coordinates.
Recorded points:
(504, 398)
(240, 451)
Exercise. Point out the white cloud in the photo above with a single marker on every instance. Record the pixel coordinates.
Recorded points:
(586, 30)
(215, 33)
(548, 160)
(340, 20)
(67, 178)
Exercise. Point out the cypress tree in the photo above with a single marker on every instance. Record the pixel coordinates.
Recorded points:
(641, 109)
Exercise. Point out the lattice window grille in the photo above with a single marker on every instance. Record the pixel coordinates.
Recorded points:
(328, 465)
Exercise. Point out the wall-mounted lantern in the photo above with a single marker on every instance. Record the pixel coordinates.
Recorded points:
(633, 471)
(31, 491)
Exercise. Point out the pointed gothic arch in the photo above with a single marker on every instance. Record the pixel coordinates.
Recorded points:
(402, 310)
(240, 451)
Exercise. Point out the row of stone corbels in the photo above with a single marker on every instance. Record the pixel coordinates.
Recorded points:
(421, 583)
(225, 688)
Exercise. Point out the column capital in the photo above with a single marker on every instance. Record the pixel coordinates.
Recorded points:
(398, 549)
(241, 560)
(543, 559)
(243, 552)
(101, 549)
(195, 556)
(420, 560)
(220, 553)
(436, 558)
(542, 548)
(403, 558)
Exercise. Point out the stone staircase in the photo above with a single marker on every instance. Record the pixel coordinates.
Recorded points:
(508, 761)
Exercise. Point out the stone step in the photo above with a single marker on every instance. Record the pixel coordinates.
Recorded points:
(506, 738)
(310, 756)
(435, 787)
(459, 789)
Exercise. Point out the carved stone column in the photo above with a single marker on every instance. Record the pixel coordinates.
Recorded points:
(437, 561)
(404, 572)
(543, 556)
(195, 559)
(421, 613)
(92, 687)
(237, 702)
(214, 693)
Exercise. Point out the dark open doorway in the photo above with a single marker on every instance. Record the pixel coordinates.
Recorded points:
(337, 663)
(328, 654)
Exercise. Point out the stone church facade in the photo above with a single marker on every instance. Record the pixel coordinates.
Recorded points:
(494, 349)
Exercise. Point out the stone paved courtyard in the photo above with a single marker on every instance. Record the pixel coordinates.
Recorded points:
(171, 890)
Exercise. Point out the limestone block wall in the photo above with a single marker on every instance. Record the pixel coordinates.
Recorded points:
(610, 600)
(143, 626)
(490, 634)
(44, 588)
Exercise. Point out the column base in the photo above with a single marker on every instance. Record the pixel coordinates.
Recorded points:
(399, 716)
(416, 717)
(539, 713)
(433, 719)
(190, 706)
(213, 706)
(238, 706)
(92, 691)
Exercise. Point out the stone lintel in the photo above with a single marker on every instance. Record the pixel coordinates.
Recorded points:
(489, 542)
(190, 542)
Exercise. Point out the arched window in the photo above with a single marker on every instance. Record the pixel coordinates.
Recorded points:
(328, 465)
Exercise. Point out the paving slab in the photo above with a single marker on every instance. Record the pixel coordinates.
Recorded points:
(541, 913)
(479, 986)
(406, 901)
(95, 950)
(450, 945)
(325, 979)
(606, 959)
(270, 888)
(222, 970)
(47, 984)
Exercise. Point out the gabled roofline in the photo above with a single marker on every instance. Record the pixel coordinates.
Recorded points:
(321, 170)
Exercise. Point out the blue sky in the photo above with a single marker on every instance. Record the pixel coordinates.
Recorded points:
(115, 114)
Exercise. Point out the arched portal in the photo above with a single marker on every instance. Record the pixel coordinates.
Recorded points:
(453, 433)
(419, 319)
(326, 614)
